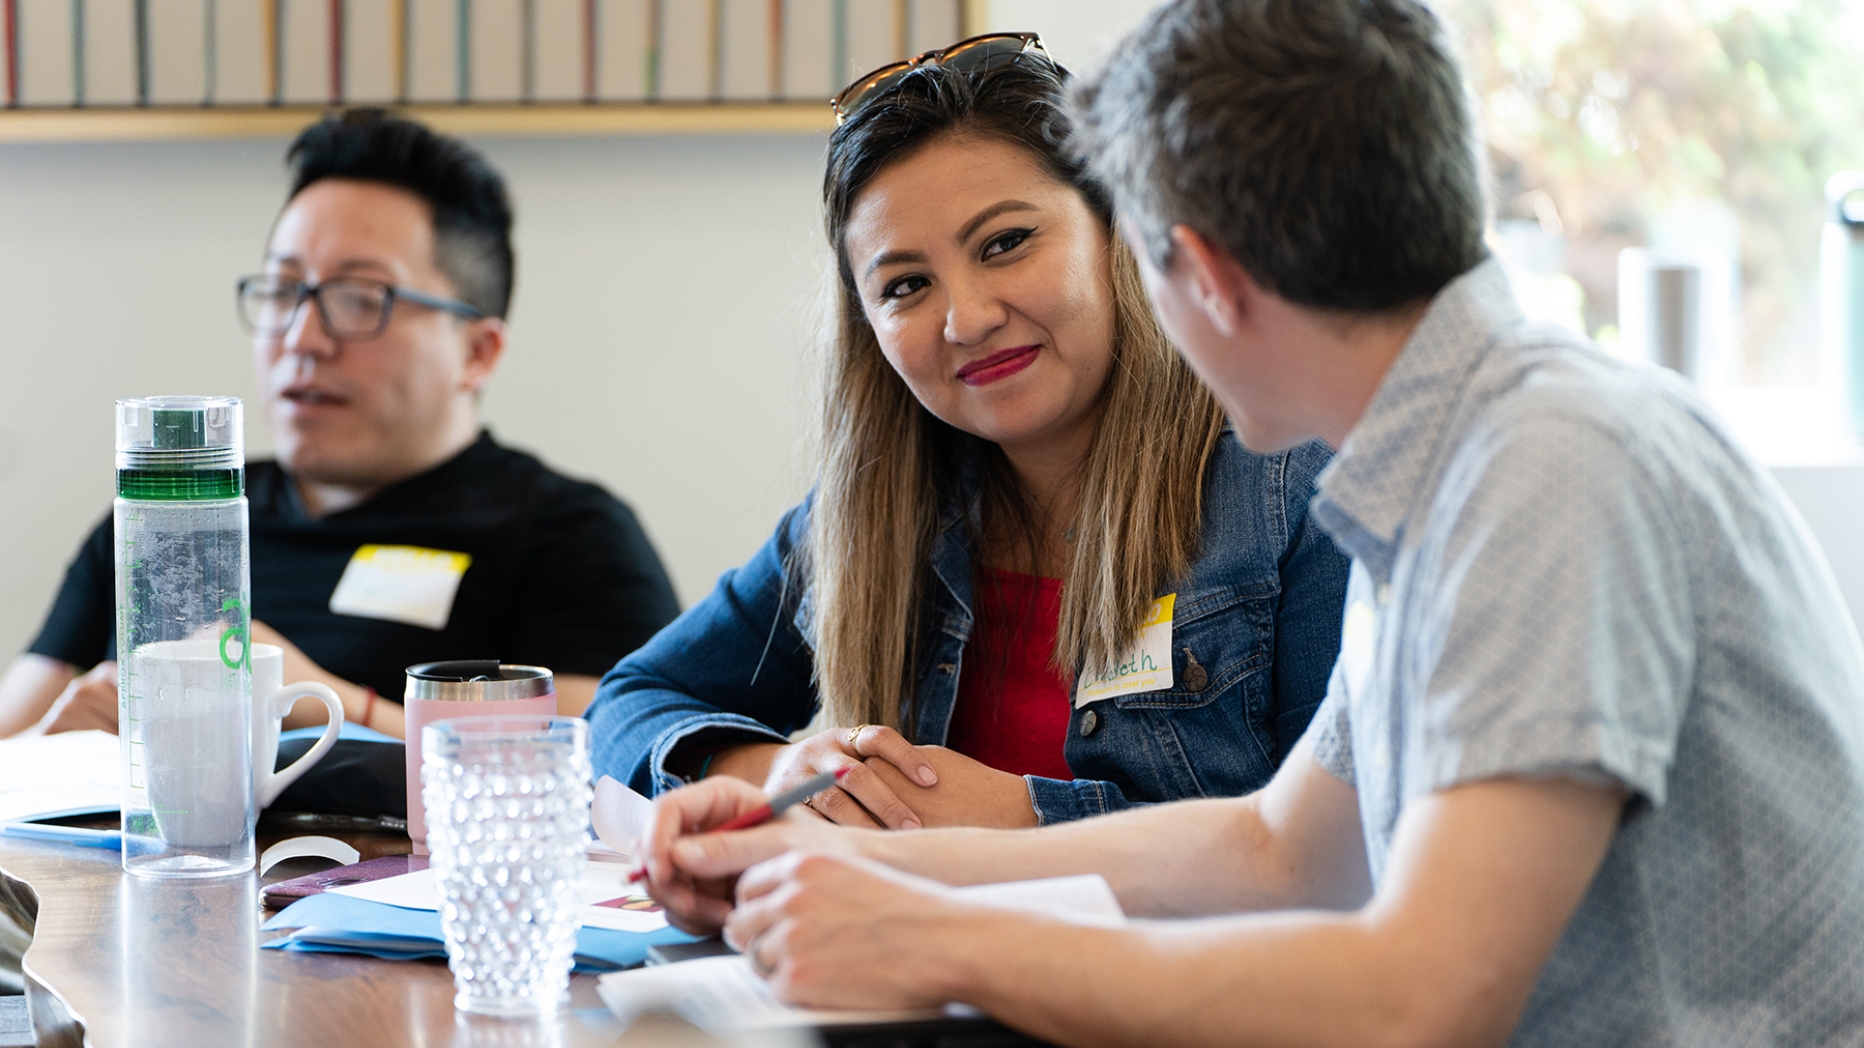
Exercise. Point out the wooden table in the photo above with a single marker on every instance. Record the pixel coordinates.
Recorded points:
(118, 960)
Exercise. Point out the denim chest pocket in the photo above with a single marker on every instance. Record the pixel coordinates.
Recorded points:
(1215, 642)
(1208, 734)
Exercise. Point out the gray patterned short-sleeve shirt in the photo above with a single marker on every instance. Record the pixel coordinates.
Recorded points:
(1563, 565)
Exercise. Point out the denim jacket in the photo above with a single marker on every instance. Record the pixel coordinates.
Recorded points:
(1256, 627)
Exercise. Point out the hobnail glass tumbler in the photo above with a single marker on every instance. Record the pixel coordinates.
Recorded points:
(507, 802)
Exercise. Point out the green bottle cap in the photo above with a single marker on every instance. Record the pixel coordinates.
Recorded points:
(180, 449)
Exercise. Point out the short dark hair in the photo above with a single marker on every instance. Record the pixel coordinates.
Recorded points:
(471, 210)
(1326, 144)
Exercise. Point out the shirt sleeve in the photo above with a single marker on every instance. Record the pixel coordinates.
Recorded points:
(596, 589)
(81, 627)
(1552, 621)
(1058, 800)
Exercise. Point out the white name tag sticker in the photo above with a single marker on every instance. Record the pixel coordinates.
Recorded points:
(1147, 667)
(408, 584)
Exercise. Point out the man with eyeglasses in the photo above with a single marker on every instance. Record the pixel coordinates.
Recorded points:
(391, 529)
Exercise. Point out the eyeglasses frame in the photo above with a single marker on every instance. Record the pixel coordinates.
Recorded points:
(394, 292)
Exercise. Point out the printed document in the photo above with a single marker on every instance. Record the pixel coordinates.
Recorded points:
(723, 993)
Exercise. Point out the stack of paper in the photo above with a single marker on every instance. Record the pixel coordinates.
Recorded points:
(50, 776)
(398, 918)
(722, 993)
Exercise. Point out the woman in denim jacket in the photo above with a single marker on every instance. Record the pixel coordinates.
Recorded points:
(1037, 579)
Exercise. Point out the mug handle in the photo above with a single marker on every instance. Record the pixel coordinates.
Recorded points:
(275, 782)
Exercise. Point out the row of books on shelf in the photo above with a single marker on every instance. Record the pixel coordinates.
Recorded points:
(105, 53)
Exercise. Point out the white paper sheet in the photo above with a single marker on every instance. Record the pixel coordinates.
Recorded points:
(619, 816)
(70, 773)
(608, 898)
(723, 993)
(1085, 899)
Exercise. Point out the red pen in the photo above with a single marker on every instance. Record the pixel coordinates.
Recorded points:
(771, 808)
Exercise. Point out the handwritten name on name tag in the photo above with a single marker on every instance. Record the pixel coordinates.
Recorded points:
(1146, 667)
(408, 584)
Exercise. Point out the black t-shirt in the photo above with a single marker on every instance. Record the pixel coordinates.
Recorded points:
(561, 574)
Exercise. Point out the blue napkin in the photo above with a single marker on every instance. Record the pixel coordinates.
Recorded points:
(332, 923)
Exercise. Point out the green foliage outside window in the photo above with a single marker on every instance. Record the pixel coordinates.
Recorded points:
(1602, 114)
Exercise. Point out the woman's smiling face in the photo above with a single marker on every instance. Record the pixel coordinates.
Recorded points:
(986, 282)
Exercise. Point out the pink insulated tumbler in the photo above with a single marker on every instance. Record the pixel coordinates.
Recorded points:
(466, 688)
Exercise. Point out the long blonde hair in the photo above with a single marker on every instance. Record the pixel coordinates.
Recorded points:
(888, 467)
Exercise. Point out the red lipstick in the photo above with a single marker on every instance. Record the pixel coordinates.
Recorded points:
(998, 366)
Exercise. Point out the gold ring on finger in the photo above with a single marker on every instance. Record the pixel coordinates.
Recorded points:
(762, 967)
(854, 736)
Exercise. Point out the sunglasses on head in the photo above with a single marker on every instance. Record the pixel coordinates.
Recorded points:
(975, 54)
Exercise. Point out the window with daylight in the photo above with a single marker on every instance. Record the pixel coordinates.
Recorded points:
(1698, 134)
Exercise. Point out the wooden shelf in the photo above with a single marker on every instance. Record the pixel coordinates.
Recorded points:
(611, 118)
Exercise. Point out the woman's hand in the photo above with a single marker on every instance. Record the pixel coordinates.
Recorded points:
(862, 799)
(842, 932)
(969, 792)
(692, 872)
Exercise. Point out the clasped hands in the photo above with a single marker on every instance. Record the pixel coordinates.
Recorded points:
(895, 785)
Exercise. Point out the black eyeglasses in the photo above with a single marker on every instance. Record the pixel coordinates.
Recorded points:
(351, 308)
(974, 54)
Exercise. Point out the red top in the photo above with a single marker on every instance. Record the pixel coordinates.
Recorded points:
(1012, 711)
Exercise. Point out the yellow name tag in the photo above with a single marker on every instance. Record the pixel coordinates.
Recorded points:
(1146, 667)
(401, 584)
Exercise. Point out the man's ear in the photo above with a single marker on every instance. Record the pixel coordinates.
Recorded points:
(1220, 286)
(485, 345)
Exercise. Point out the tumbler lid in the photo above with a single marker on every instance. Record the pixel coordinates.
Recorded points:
(478, 680)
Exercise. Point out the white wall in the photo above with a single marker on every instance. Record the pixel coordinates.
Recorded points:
(663, 291)
(1079, 33)
(1831, 499)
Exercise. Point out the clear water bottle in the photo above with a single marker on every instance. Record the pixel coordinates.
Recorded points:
(183, 597)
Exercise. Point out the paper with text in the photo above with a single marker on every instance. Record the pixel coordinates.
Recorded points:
(723, 993)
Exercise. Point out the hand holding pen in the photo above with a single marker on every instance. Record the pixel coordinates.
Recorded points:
(770, 809)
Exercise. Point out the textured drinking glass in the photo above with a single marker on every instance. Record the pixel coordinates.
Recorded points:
(507, 802)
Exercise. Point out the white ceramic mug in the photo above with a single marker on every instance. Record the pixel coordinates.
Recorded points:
(271, 701)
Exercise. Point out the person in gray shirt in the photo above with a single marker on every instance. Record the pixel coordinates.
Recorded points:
(1590, 770)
